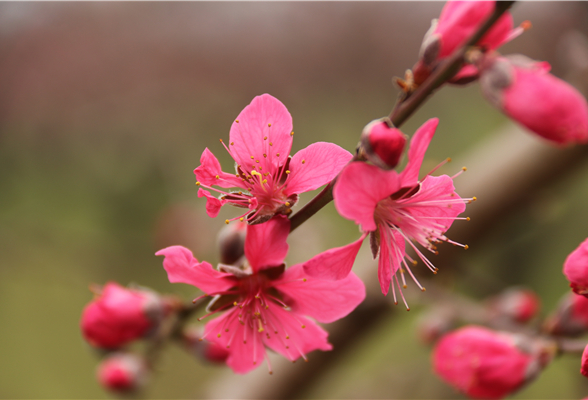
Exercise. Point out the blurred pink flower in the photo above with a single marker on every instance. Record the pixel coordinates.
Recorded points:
(397, 208)
(517, 304)
(576, 269)
(122, 372)
(584, 367)
(260, 144)
(265, 305)
(119, 315)
(485, 364)
(382, 144)
(570, 318)
(525, 91)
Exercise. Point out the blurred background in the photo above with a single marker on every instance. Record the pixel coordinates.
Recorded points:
(105, 109)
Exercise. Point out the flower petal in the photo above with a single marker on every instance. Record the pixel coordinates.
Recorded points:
(325, 301)
(181, 266)
(265, 244)
(265, 117)
(418, 146)
(358, 190)
(210, 173)
(576, 268)
(333, 264)
(315, 166)
(246, 349)
(303, 334)
(213, 204)
(391, 256)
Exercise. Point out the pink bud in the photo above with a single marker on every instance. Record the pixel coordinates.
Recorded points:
(516, 304)
(486, 364)
(122, 372)
(584, 368)
(576, 269)
(570, 318)
(382, 145)
(525, 91)
(119, 315)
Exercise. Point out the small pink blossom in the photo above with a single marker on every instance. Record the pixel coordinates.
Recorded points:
(264, 304)
(485, 364)
(122, 372)
(576, 269)
(397, 209)
(584, 367)
(516, 304)
(525, 91)
(119, 315)
(268, 178)
(382, 144)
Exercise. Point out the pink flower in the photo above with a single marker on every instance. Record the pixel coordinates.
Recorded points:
(260, 144)
(382, 144)
(485, 364)
(122, 372)
(516, 304)
(119, 315)
(264, 304)
(459, 20)
(584, 368)
(576, 269)
(570, 318)
(398, 208)
(525, 91)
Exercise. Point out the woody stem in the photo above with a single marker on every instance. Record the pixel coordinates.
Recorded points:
(407, 106)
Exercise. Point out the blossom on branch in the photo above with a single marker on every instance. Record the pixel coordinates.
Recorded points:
(265, 304)
(119, 315)
(397, 209)
(576, 269)
(525, 91)
(269, 179)
(122, 372)
(485, 364)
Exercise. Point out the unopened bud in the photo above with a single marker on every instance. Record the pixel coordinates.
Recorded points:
(516, 304)
(119, 315)
(486, 364)
(576, 269)
(203, 349)
(122, 372)
(435, 323)
(570, 318)
(525, 91)
(382, 144)
(584, 367)
(231, 243)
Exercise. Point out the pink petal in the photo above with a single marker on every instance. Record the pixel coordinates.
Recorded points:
(210, 169)
(181, 266)
(418, 146)
(241, 355)
(333, 264)
(213, 204)
(247, 135)
(301, 341)
(325, 301)
(315, 166)
(576, 268)
(265, 244)
(358, 190)
(391, 256)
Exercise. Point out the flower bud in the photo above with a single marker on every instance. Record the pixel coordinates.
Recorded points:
(584, 367)
(576, 269)
(203, 349)
(122, 372)
(381, 144)
(486, 364)
(570, 318)
(525, 91)
(231, 242)
(119, 315)
(516, 304)
(435, 323)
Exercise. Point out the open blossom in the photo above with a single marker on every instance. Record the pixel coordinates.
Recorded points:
(397, 209)
(264, 304)
(525, 91)
(119, 315)
(485, 364)
(456, 24)
(268, 179)
(576, 269)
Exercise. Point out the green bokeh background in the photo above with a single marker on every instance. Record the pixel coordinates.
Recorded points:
(105, 109)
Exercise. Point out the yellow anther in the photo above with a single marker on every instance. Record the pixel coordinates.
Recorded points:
(474, 198)
(197, 183)
(232, 143)
(277, 154)
(404, 286)
(241, 219)
(237, 121)
(265, 156)
(287, 171)
(292, 133)
(304, 279)
(526, 25)
(269, 124)
(264, 181)
(303, 326)
(256, 173)
(466, 247)
(219, 335)
(424, 289)
(217, 177)
(464, 169)
(265, 138)
(303, 161)
(271, 144)
(235, 303)
(414, 262)
(221, 140)
(256, 161)
(448, 159)
(287, 204)
(468, 218)
(252, 157)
